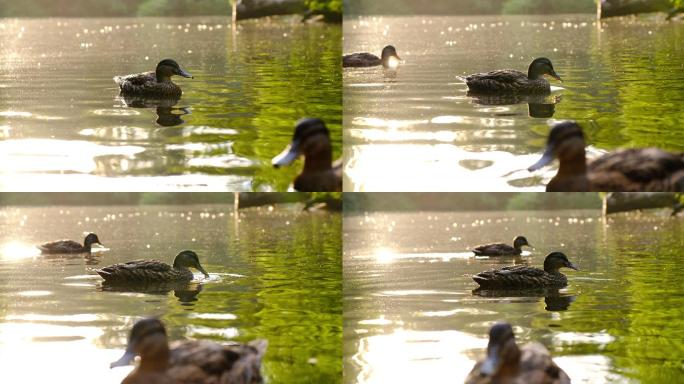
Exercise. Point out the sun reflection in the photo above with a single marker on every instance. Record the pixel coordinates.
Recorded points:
(16, 250)
(393, 63)
(384, 255)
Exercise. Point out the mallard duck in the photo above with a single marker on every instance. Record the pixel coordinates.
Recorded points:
(153, 84)
(312, 139)
(69, 246)
(512, 81)
(524, 277)
(506, 363)
(186, 362)
(500, 249)
(152, 271)
(627, 170)
(388, 58)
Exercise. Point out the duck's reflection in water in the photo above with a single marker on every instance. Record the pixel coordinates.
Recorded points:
(554, 299)
(168, 115)
(185, 292)
(541, 106)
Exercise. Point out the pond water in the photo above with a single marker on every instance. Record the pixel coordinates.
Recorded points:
(274, 274)
(409, 310)
(415, 129)
(63, 127)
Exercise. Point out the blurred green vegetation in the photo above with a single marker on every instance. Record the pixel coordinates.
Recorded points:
(469, 7)
(148, 198)
(120, 8)
(469, 201)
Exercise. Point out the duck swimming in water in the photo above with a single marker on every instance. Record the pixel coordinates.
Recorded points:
(524, 277)
(153, 271)
(627, 170)
(153, 84)
(188, 362)
(500, 249)
(69, 246)
(506, 363)
(312, 140)
(512, 81)
(388, 59)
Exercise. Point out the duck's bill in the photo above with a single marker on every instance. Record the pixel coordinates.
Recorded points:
(572, 266)
(205, 273)
(490, 363)
(185, 74)
(287, 156)
(397, 57)
(555, 76)
(126, 359)
(546, 159)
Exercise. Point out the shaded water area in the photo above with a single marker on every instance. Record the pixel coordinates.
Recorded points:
(63, 126)
(274, 274)
(410, 312)
(415, 128)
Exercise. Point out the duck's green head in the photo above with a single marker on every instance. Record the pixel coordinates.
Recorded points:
(147, 338)
(167, 68)
(310, 136)
(520, 241)
(188, 259)
(540, 67)
(556, 260)
(501, 349)
(90, 240)
(389, 57)
(566, 141)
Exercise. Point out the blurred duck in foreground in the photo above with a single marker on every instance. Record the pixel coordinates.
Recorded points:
(186, 362)
(153, 271)
(153, 84)
(512, 81)
(389, 59)
(506, 363)
(626, 170)
(500, 249)
(525, 277)
(312, 140)
(69, 246)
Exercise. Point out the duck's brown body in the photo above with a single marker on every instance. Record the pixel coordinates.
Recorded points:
(506, 81)
(146, 85)
(69, 246)
(362, 59)
(321, 177)
(535, 367)
(144, 271)
(519, 277)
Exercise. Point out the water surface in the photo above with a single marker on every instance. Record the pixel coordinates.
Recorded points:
(274, 274)
(62, 126)
(410, 314)
(415, 129)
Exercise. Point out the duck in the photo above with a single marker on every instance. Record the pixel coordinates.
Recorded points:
(626, 170)
(526, 277)
(188, 362)
(153, 271)
(155, 83)
(69, 246)
(500, 249)
(388, 59)
(507, 363)
(513, 81)
(312, 140)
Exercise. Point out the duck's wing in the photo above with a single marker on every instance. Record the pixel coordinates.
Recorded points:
(509, 277)
(494, 249)
(129, 82)
(500, 80)
(537, 366)
(61, 246)
(137, 270)
(645, 169)
(204, 361)
(362, 59)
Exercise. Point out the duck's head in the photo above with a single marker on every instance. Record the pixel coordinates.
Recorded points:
(167, 68)
(188, 259)
(310, 136)
(147, 340)
(91, 239)
(540, 67)
(520, 241)
(556, 260)
(501, 350)
(566, 141)
(389, 57)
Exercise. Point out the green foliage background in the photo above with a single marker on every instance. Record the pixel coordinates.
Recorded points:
(469, 7)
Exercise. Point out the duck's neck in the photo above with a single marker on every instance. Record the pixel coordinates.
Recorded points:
(155, 357)
(162, 78)
(573, 160)
(318, 158)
